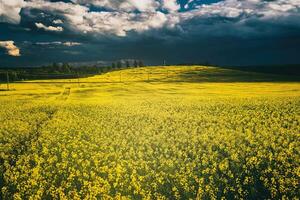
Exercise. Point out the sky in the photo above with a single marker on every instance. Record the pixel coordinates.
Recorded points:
(221, 32)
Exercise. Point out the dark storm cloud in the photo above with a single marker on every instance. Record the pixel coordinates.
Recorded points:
(221, 32)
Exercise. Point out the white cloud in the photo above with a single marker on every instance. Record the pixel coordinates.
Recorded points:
(57, 21)
(235, 8)
(49, 28)
(47, 43)
(170, 5)
(143, 6)
(10, 11)
(68, 44)
(71, 44)
(10, 47)
(78, 18)
(123, 5)
(246, 10)
(188, 3)
(118, 23)
(121, 18)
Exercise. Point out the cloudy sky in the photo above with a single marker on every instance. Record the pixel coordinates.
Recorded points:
(224, 32)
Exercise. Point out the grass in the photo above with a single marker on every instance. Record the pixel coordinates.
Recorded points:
(152, 133)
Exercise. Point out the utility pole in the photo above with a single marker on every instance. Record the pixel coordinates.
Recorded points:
(7, 80)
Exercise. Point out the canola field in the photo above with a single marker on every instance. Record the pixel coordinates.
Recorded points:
(152, 133)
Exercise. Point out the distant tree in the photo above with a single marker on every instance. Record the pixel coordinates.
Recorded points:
(14, 76)
(113, 65)
(55, 68)
(135, 63)
(66, 68)
(109, 68)
(127, 64)
(104, 69)
(141, 64)
(119, 64)
(55, 65)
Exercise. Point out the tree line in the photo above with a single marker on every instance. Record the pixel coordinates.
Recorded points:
(63, 70)
(127, 64)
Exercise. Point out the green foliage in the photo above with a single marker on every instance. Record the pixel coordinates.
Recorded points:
(127, 64)
(119, 64)
(141, 63)
(135, 63)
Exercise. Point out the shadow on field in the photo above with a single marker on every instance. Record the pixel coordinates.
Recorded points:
(221, 75)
